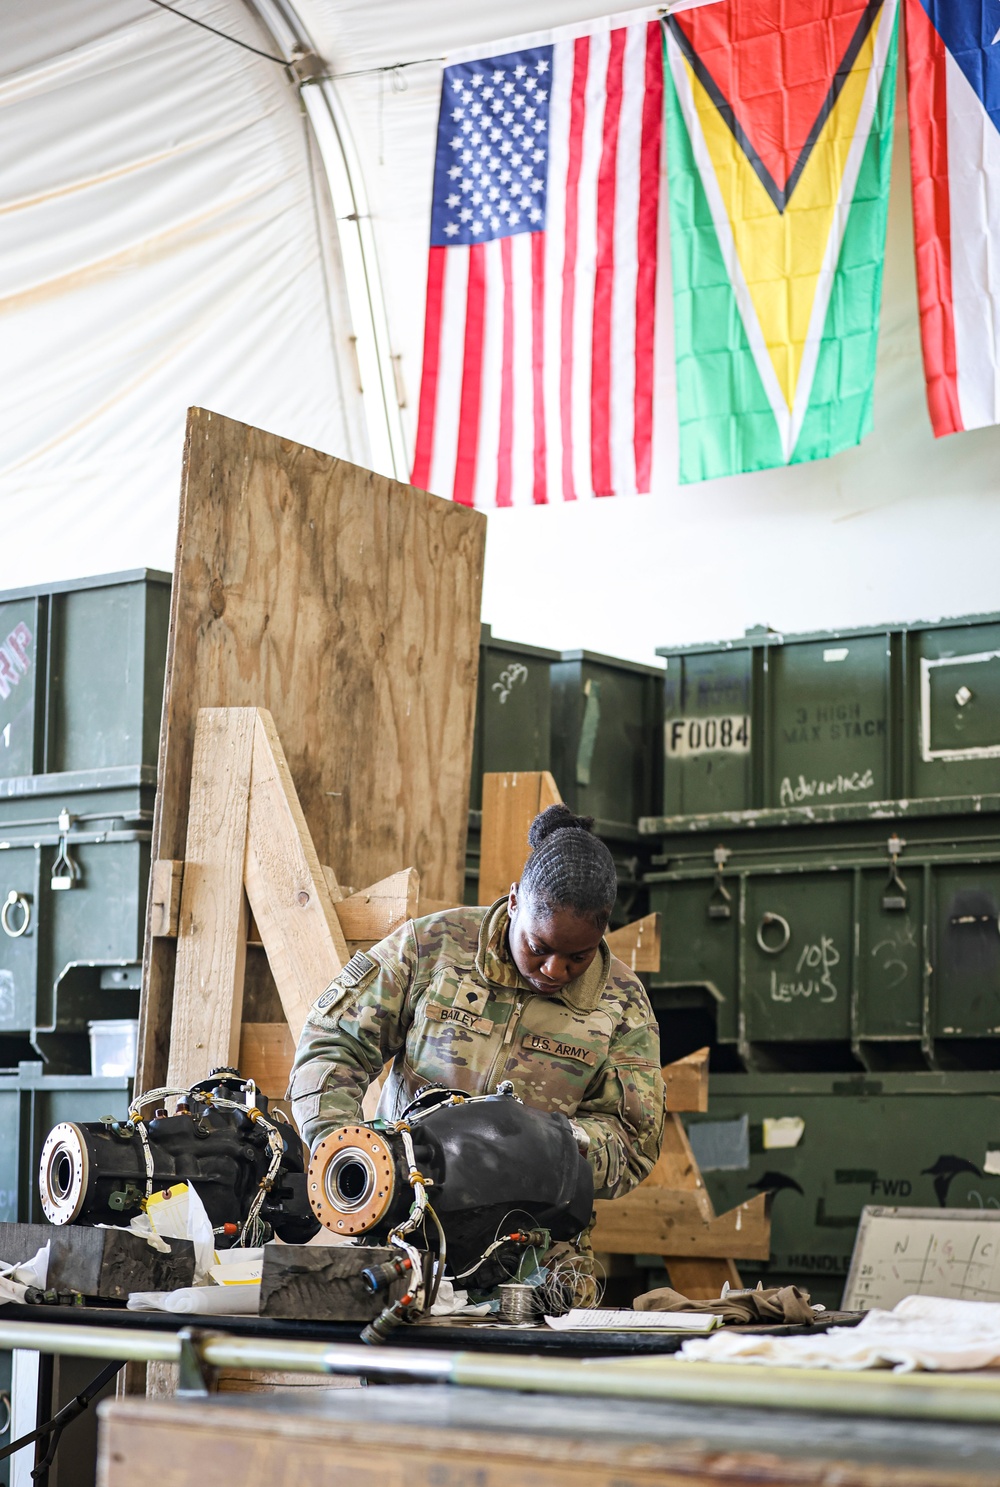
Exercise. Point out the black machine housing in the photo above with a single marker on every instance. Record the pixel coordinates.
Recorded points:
(494, 1165)
(96, 1172)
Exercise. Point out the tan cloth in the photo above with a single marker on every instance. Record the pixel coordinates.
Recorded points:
(779, 1304)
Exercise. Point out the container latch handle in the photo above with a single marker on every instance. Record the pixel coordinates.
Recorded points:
(65, 871)
(720, 902)
(894, 894)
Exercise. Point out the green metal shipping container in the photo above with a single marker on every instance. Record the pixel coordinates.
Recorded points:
(539, 709)
(605, 755)
(513, 710)
(81, 674)
(912, 1140)
(69, 955)
(856, 945)
(81, 686)
(772, 721)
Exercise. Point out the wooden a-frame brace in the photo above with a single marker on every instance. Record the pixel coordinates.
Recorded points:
(249, 853)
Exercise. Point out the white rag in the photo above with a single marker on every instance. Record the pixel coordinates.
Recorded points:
(15, 1279)
(204, 1301)
(452, 1302)
(921, 1332)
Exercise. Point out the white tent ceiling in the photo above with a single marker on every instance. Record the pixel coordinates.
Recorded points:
(169, 239)
(161, 246)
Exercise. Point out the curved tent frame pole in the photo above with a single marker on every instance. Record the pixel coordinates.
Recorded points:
(365, 297)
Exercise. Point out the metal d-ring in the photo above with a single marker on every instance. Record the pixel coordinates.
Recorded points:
(15, 900)
(786, 933)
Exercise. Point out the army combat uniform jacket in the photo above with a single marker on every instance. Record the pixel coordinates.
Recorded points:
(443, 999)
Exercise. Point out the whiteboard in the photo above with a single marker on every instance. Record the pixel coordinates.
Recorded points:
(898, 1252)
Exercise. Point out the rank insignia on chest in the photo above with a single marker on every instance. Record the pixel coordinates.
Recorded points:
(558, 1048)
(472, 997)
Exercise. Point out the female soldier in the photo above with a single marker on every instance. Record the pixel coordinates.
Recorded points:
(525, 991)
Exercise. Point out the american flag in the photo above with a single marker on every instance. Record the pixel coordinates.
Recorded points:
(537, 381)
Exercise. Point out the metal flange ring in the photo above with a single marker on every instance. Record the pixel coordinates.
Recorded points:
(15, 900)
(63, 1173)
(786, 933)
(352, 1180)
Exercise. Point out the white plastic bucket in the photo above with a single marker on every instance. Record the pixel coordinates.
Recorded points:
(112, 1047)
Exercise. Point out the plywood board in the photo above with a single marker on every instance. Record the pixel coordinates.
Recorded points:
(511, 801)
(348, 605)
(437, 905)
(266, 1053)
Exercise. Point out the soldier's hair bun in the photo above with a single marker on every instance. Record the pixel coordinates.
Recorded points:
(569, 868)
(556, 818)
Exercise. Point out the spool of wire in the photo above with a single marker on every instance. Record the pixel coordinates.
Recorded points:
(517, 1302)
(572, 1281)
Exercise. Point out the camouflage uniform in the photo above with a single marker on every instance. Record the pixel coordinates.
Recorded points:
(443, 999)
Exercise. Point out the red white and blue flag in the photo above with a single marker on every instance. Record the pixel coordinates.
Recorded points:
(537, 380)
(953, 64)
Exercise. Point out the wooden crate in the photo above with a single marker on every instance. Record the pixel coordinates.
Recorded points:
(439, 1437)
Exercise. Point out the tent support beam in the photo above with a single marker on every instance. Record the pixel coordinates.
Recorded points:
(351, 211)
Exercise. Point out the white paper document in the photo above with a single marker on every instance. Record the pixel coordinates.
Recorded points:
(580, 1319)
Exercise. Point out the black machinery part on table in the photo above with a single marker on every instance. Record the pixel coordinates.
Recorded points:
(97, 1174)
(494, 1165)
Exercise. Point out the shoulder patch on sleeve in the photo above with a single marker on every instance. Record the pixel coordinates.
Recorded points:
(357, 973)
(332, 995)
(359, 968)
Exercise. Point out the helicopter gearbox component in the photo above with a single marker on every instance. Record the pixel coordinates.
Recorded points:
(247, 1166)
(480, 1161)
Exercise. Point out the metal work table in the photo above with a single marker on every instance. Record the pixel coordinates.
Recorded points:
(470, 1356)
(469, 1337)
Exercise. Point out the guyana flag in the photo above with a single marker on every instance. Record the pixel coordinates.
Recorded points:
(779, 147)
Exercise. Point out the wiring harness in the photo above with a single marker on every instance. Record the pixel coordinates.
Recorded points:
(480, 1182)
